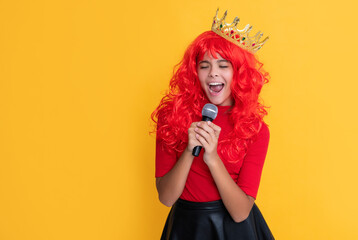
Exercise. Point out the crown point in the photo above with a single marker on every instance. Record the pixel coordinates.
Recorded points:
(216, 14)
(224, 15)
(236, 21)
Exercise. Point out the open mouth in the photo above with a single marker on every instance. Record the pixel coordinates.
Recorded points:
(216, 87)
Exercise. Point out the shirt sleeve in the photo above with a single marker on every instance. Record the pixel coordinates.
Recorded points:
(164, 161)
(251, 169)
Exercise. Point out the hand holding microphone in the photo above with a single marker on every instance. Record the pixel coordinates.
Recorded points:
(209, 113)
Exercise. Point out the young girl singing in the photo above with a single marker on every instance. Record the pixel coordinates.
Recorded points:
(212, 196)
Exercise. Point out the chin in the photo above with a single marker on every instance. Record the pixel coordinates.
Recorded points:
(219, 102)
(216, 102)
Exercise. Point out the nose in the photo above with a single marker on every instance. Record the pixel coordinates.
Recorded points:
(213, 72)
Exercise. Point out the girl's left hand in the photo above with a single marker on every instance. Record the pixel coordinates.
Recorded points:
(207, 134)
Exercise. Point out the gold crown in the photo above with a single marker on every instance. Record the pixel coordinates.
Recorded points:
(239, 37)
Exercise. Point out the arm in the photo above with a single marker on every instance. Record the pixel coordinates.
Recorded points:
(172, 184)
(237, 202)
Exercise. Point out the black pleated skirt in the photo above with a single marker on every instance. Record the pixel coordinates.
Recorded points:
(211, 221)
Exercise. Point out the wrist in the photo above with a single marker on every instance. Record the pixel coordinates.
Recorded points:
(188, 152)
(187, 149)
(212, 160)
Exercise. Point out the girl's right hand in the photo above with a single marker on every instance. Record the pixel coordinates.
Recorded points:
(192, 140)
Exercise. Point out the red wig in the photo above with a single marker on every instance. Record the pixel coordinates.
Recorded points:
(183, 102)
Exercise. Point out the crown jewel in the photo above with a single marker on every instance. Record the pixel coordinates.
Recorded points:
(239, 37)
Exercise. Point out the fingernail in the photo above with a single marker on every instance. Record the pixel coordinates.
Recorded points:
(198, 124)
(196, 129)
(209, 123)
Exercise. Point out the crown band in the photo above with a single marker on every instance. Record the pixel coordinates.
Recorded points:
(239, 37)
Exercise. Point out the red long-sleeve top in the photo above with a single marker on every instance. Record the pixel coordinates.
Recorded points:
(200, 185)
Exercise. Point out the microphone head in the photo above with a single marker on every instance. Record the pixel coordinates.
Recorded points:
(210, 111)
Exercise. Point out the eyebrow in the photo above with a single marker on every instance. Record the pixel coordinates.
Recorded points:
(220, 61)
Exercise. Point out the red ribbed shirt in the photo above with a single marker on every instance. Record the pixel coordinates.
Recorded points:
(200, 185)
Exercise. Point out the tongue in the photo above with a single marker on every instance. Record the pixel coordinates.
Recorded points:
(217, 88)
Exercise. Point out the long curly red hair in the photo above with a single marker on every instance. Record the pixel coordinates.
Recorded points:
(183, 102)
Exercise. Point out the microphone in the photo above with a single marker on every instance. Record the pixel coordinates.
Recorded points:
(209, 113)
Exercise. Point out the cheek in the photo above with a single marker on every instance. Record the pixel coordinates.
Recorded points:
(202, 84)
(229, 79)
(201, 79)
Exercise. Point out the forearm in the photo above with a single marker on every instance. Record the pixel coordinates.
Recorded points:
(172, 184)
(235, 200)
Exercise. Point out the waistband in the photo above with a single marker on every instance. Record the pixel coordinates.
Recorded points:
(199, 205)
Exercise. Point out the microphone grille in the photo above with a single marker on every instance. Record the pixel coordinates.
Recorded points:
(210, 110)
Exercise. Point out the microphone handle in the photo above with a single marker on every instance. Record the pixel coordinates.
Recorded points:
(197, 149)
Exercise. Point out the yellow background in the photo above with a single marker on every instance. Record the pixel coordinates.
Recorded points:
(79, 79)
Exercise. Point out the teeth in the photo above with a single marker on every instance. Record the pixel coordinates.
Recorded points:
(215, 84)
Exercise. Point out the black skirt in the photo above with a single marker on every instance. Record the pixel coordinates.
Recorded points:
(210, 220)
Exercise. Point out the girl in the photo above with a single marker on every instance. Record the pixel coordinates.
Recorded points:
(213, 195)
